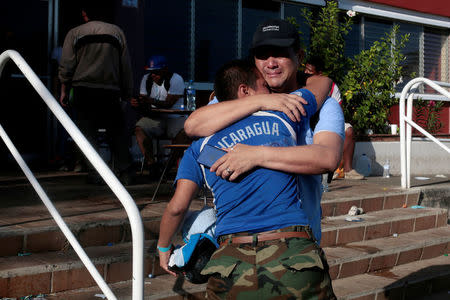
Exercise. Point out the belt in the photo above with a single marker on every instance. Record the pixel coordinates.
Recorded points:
(261, 237)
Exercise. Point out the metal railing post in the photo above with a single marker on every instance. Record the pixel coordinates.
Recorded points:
(401, 110)
(137, 228)
(406, 124)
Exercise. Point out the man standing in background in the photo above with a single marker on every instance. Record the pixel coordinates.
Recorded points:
(96, 64)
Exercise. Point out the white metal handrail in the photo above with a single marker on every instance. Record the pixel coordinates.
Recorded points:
(137, 228)
(406, 120)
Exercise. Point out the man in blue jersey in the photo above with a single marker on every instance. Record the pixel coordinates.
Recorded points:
(277, 55)
(263, 230)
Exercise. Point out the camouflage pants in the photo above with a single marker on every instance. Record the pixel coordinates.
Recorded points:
(293, 268)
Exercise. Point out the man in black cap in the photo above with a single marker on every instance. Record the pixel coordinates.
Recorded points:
(277, 55)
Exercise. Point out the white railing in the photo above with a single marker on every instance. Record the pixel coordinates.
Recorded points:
(406, 120)
(137, 228)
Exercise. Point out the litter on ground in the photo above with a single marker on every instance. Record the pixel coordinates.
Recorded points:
(353, 219)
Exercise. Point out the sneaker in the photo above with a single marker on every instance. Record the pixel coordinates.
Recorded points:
(78, 168)
(64, 168)
(338, 174)
(353, 175)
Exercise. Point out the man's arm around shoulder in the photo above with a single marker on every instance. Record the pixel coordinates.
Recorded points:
(320, 86)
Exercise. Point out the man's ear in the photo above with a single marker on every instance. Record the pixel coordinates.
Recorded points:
(243, 91)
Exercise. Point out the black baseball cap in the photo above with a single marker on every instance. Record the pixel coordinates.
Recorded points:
(275, 32)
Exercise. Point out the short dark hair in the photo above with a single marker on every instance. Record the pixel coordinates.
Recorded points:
(317, 62)
(231, 75)
(99, 10)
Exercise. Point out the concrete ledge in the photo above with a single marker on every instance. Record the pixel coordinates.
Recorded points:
(426, 157)
(436, 197)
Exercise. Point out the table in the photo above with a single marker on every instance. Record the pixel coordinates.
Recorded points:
(171, 111)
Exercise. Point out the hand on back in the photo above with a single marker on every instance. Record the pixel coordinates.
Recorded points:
(290, 104)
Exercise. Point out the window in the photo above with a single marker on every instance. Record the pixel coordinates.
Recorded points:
(292, 10)
(411, 52)
(255, 12)
(215, 36)
(353, 38)
(435, 51)
(167, 33)
(374, 29)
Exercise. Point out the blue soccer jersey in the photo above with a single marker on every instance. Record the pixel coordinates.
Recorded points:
(263, 199)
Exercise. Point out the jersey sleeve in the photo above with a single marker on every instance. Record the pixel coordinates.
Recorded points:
(176, 85)
(213, 101)
(331, 118)
(189, 168)
(311, 107)
(336, 94)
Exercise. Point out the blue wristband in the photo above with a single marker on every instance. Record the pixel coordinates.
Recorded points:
(164, 249)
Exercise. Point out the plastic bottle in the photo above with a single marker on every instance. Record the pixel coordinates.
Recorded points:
(103, 145)
(363, 165)
(190, 96)
(324, 183)
(386, 168)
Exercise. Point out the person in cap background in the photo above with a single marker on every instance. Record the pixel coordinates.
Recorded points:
(160, 88)
(277, 55)
(96, 64)
(315, 66)
(266, 246)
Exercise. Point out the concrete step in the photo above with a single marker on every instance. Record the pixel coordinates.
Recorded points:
(334, 204)
(381, 254)
(106, 224)
(112, 226)
(417, 280)
(31, 229)
(378, 224)
(62, 272)
(62, 186)
(53, 272)
(161, 287)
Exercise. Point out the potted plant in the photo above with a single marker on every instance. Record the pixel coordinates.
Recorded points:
(368, 87)
(367, 81)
